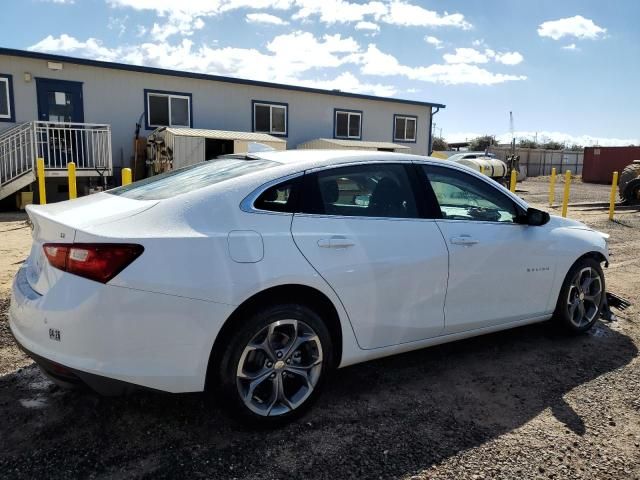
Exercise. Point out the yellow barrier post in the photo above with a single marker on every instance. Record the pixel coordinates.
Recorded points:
(552, 188)
(126, 176)
(567, 189)
(42, 192)
(481, 169)
(73, 191)
(612, 197)
(514, 179)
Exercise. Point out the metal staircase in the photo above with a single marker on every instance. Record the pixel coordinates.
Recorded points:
(86, 144)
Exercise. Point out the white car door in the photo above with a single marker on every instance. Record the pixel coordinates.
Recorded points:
(360, 228)
(500, 270)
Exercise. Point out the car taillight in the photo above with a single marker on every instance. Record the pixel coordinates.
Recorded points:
(95, 261)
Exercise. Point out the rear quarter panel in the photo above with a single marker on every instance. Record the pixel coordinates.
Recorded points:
(187, 255)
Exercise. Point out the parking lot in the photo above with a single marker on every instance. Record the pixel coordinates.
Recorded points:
(526, 403)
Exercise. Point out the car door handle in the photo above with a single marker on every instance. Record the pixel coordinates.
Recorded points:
(336, 241)
(465, 240)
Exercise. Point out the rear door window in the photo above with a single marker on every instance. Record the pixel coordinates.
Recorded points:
(371, 190)
(188, 179)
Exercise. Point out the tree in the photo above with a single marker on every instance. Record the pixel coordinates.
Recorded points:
(439, 144)
(552, 145)
(527, 143)
(480, 144)
(575, 148)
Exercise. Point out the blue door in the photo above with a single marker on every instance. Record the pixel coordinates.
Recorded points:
(60, 101)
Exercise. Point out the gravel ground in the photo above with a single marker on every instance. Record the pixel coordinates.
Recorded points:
(526, 403)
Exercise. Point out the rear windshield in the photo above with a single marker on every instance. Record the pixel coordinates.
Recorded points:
(188, 179)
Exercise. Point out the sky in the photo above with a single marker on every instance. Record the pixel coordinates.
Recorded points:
(569, 70)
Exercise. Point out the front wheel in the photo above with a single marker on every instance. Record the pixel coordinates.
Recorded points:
(275, 364)
(581, 297)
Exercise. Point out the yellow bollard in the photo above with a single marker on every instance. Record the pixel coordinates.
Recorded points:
(514, 179)
(481, 169)
(126, 176)
(40, 172)
(612, 197)
(552, 188)
(73, 191)
(567, 189)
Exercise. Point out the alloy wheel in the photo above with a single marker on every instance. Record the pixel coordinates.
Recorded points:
(584, 297)
(279, 368)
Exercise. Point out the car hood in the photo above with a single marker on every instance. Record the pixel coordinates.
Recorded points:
(560, 222)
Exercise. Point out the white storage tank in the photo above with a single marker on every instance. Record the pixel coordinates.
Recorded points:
(491, 167)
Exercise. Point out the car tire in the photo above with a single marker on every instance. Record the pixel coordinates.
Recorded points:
(274, 364)
(581, 297)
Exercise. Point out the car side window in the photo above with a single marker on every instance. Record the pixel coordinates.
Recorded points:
(378, 190)
(463, 197)
(279, 198)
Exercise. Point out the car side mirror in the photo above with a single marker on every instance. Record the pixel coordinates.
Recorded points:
(536, 217)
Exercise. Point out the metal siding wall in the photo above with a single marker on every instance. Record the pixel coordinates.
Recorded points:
(599, 168)
(538, 162)
(188, 149)
(117, 98)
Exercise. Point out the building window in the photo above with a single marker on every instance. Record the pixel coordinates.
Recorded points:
(404, 128)
(269, 117)
(167, 109)
(6, 98)
(347, 124)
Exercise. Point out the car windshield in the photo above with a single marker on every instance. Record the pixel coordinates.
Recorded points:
(188, 179)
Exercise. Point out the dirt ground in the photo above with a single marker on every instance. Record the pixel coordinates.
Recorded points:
(526, 403)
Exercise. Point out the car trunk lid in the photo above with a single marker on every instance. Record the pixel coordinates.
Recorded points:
(59, 223)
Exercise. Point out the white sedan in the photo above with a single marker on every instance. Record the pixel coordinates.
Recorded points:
(257, 276)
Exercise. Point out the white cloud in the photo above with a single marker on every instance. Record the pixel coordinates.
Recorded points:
(186, 16)
(60, 2)
(338, 11)
(118, 24)
(471, 56)
(404, 13)
(376, 62)
(566, 138)
(266, 18)
(577, 27)
(466, 55)
(509, 58)
(458, 74)
(348, 82)
(288, 59)
(370, 26)
(393, 12)
(91, 48)
(571, 46)
(436, 42)
(297, 58)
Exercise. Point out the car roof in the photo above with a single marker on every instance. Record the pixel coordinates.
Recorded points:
(308, 158)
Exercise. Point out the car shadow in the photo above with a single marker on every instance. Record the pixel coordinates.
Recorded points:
(386, 418)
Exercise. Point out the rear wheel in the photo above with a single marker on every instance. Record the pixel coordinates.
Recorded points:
(581, 296)
(275, 364)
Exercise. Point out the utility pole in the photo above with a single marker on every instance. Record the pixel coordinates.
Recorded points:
(513, 138)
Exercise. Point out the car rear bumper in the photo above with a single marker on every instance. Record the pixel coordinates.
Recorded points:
(105, 336)
(73, 377)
